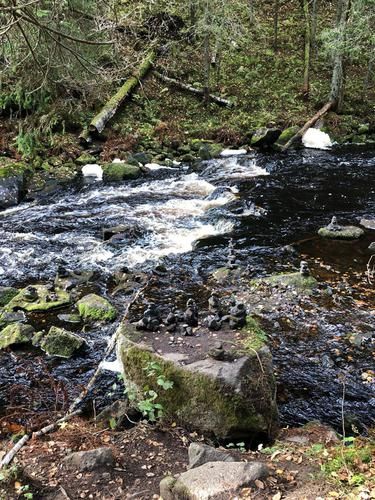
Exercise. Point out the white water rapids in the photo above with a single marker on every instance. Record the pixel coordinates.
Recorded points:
(166, 215)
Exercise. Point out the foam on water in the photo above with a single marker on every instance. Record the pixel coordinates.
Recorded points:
(316, 139)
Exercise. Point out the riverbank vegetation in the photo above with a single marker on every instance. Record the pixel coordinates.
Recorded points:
(276, 62)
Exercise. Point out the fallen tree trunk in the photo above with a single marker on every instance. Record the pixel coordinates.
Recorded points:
(189, 88)
(309, 124)
(99, 122)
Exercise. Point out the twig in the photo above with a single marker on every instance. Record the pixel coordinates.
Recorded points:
(72, 411)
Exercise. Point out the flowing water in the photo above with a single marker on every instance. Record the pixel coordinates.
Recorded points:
(185, 219)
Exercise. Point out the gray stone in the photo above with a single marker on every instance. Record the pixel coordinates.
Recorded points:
(212, 481)
(368, 223)
(90, 460)
(10, 190)
(200, 454)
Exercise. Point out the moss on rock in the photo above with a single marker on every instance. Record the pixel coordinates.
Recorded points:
(292, 280)
(16, 333)
(58, 342)
(85, 158)
(345, 233)
(286, 134)
(7, 293)
(255, 338)
(45, 299)
(120, 171)
(225, 399)
(96, 308)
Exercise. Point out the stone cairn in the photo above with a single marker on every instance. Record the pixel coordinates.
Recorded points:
(333, 225)
(237, 315)
(304, 269)
(231, 262)
(150, 320)
(215, 310)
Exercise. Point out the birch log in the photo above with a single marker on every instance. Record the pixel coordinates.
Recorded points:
(99, 122)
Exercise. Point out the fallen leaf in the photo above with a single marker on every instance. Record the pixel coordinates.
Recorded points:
(277, 496)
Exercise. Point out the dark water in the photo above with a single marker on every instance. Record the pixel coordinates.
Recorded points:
(276, 201)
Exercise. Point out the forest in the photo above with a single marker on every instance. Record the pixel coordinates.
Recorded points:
(187, 250)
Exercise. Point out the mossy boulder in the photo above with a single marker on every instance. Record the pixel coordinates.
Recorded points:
(286, 135)
(226, 399)
(208, 151)
(38, 298)
(6, 294)
(344, 233)
(13, 178)
(96, 308)
(85, 158)
(115, 172)
(58, 342)
(16, 333)
(264, 137)
(137, 158)
(291, 280)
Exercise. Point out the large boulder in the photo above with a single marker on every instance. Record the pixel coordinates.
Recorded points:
(114, 172)
(15, 333)
(12, 184)
(264, 137)
(90, 460)
(213, 481)
(229, 398)
(58, 342)
(286, 135)
(92, 307)
(38, 298)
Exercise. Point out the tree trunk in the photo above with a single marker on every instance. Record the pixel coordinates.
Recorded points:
(276, 25)
(306, 72)
(189, 88)
(207, 67)
(314, 22)
(251, 12)
(99, 122)
(337, 83)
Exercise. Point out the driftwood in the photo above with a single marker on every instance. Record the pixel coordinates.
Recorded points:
(99, 122)
(189, 88)
(72, 411)
(309, 124)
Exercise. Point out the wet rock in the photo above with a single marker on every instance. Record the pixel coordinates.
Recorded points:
(191, 313)
(212, 481)
(368, 223)
(90, 460)
(12, 317)
(264, 137)
(200, 454)
(85, 158)
(58, 342)
(113, 172)
(6, 294)
(10, 190)
(372, 246)
(335, 231)
(208, 151)
(38, 298)
(69, 318)
(16, 333)
(92, 307)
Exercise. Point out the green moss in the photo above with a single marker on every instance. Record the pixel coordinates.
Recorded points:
(59, 342)
(44, 302)
(346, 233)
(17, 333)
(96, 308)
(293, 280)
(7, 294)
(14, 169)
(255, 337)
(198, 400)
(120, 171)
(286, 134)
(85, 159)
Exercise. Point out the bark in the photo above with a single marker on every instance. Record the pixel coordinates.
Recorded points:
(337, 83)
(189, 88)
(276, 26)
(309, 124)
(99, 122)
(306, 72)
(314, 22)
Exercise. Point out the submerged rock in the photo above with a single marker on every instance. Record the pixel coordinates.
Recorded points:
(212, 480)
(16, 333)
(120, 171)
(38, 298)
(58, 342)
(96, 308)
